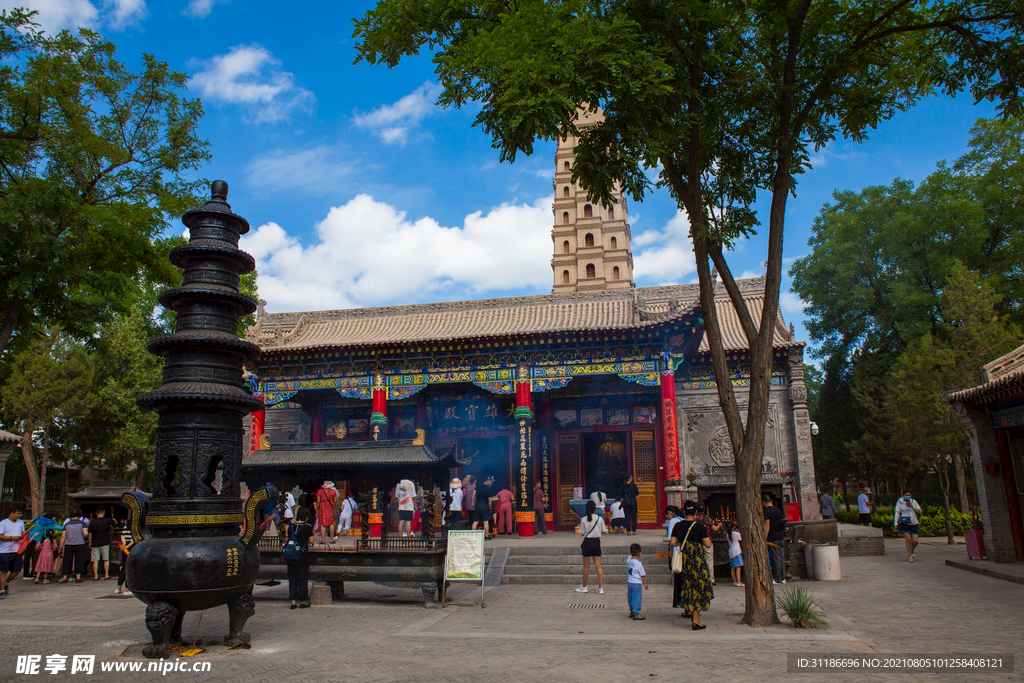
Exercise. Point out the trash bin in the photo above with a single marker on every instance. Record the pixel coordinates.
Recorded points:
(809, 559)
(826, 562)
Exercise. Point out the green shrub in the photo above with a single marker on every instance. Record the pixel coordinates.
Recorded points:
(799, 605)
(847, 516)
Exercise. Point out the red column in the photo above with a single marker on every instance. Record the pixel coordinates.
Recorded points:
(523, 480)
(257, 424)
(669, 437)
(379, 417)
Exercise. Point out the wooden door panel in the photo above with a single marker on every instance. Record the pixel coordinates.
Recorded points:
(645, 475)
(568, 459)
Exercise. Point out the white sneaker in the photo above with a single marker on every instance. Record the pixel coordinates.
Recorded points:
(118, 591)
(600, 591)
(582, 589)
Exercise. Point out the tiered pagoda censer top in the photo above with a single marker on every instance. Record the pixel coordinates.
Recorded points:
(203, 397)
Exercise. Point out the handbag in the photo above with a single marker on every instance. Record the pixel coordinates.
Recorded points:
(677, 553)
(587, 535)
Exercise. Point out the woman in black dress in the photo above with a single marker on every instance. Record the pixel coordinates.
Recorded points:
(691, 588)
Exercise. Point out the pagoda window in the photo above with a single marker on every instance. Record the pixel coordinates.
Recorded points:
(588, 241)
(566, 167)
(614, 243)
(565, 191)
(565, 247)
(565, 217)
(591, 272)
(565, 277)
(611, 214)
(588, 211)
(615, 273)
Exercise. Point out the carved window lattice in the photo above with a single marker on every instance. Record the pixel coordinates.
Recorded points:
(645, 465)
(569, 463)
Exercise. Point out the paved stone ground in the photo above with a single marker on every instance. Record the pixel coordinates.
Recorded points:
(531, 633)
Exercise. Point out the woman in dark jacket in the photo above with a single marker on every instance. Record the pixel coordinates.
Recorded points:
(298, 570)
(630, 492)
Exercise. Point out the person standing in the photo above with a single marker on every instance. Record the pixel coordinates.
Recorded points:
(44, 565)
(469, 499)
(298, 568)
(455, 497)
(99, 543)
(327, 511)
(12, 529)
(732, 534)
(636, 582)
(712, 528)
(482, 509)
(827, 506)
(540, 522)
(74, 548)
(127, 542)
(630, 494)
(504, 509)
(905, 519)
(591, 528)
(774, 524)
(289, 513)
(692, 587)
(864, 503)
(405, 493)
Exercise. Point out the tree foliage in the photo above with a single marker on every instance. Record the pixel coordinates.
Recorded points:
(723, 98)
(94, 158)
(50, 384)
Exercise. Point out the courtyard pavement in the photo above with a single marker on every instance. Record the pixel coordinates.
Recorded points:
(882, 605)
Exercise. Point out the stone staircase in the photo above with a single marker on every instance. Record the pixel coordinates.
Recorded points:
(563, 565)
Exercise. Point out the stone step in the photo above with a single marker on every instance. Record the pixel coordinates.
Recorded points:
(574, 580)
(572, 570)
(606, 559)
(574, 550)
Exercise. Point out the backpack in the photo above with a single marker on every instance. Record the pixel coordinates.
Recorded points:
(292, 550)
(628, 497)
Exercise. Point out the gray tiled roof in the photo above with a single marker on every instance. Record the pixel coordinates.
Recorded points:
(104, 489)
(7, 436)
(611, 310)
(1005, 375)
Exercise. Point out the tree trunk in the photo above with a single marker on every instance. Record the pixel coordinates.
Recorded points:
(940, 465)
(36, 469)
(44, 464)
(964, 502)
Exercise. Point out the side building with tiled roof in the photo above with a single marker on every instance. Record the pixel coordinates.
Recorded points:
(993, 414)
(577, 389)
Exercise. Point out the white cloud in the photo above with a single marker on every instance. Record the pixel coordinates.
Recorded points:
(393, 122)
(665, 256)
(55, 15)
(250, 75)
(791, 303)
(197, 9)
(822, 156)
(121, 13)
(369, 253)
(318, 170)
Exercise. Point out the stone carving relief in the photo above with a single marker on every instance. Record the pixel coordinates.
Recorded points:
(720, 448)
(692, 419)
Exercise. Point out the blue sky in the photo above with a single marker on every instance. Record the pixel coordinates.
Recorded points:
(361, 192)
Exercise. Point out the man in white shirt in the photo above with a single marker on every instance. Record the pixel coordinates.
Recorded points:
(289, 511)
(864, 507)
(11, 531)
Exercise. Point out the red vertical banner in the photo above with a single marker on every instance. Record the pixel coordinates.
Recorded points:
(379, 418)
(257, 423)
(524, 462)
(669, 435)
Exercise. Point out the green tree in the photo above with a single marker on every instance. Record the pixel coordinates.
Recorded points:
(724, 98)
(94, 158)
(50, 382)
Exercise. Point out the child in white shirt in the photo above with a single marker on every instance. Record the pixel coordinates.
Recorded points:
(635, 580)
(735, 553)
